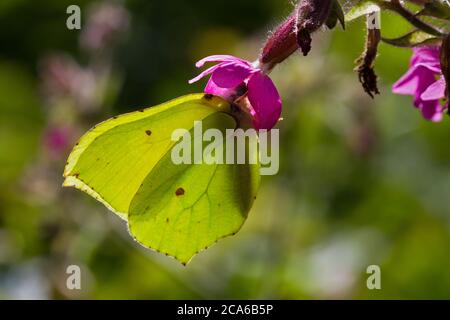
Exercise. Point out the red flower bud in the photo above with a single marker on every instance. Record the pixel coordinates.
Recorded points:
(295, 32)
(281, 44)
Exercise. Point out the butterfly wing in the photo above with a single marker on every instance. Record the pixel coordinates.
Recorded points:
(182, 209)
(113, 158)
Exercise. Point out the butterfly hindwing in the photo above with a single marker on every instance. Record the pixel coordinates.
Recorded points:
(182, 209)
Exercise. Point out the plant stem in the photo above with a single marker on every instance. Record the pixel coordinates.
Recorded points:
(396, 6)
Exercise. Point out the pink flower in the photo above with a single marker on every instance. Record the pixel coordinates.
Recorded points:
(231, 75)
(62, 78)
(425, 82)
(57, 139)
(106, 22)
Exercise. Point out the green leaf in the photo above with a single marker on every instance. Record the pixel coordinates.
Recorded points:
(413, 39)
(181, 210)
(361, 8)
(436, 8)
(336, 15)
(125, 163)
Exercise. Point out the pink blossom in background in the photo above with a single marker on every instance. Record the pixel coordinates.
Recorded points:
(230, 75)
(57, 73)
(425, 82)
(105, 24)
(57, 140)
(62, 77)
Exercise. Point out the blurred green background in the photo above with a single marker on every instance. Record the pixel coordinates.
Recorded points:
(362, 182)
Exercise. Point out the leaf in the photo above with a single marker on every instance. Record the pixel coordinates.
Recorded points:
(180, 210)
(113, 158)
(336, 15)
(362, 8)
(436, 8)
(331, 22)
(412, 39)
(125, 163)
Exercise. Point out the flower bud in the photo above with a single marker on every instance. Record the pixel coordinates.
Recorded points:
(295, 32)
(281, 44)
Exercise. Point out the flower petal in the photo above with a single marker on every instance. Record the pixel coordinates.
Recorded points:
(415, 80)
(214, 89)
(432, 110)
(265, 101)
(204, 74)
(436, 91)
(420, 82)
(426, 54)
(220, 58)
(230, 75)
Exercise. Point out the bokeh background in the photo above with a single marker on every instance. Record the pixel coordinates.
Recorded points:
(362, 182)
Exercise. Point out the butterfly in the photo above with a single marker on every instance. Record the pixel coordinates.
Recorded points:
(176, 209)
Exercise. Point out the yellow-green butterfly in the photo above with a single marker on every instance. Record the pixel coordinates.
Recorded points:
(176, 209)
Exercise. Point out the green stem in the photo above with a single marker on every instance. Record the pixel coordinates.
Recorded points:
(396, 6)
